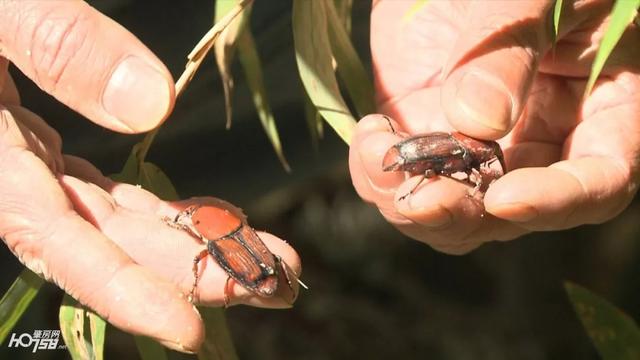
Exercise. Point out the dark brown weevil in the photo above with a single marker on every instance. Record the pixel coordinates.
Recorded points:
(442, 153)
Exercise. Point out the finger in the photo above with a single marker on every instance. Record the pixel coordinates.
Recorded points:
(132, 217)
(39, 225)
(372, 139)
(570, 193)
(88, 62)
(24, 130)
(492, 65)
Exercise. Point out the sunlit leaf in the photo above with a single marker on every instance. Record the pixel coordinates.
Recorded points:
(250, 60)
(17, 299)
(623, 13)
(225, 46)
(314, 56)
(557, 10)
(217, 344)
(413, 10)
(72, 326)
(614, 334)
(149, 349)
(350, 68)
(98, 327)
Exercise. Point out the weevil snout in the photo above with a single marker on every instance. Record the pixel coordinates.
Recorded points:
(392, 160)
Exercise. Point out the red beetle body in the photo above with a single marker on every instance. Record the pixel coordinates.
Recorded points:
(235, 246)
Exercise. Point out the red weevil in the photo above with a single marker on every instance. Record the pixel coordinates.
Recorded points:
(236, 247)
(441, 153)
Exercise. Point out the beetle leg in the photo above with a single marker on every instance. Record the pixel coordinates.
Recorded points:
(428, 174)
(196, 260)
(477, 179)
(389, 122)
(287, 270)
(226, 292)
(178, 223)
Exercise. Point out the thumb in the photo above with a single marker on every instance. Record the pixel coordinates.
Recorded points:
(88, 62)
(493, 64)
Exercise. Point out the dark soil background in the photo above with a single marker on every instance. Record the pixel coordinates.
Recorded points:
(375, 294)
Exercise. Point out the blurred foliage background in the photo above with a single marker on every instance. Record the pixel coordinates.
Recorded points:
(374, 294)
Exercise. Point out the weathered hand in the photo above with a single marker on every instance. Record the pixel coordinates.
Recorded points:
(488, 69)
(103, 242)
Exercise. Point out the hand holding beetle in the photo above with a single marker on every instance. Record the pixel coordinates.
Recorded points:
(101, 241)
(487, 69)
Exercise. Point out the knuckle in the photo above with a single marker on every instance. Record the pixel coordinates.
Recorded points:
(57, 41)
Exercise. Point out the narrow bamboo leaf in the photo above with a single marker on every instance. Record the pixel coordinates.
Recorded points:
(314, 121)
(614, 334)
(217, 344)
(413, 10)
(253, 72)
(314, 57)
(343, 8)
(98, 327)
(557, 10)
(623, 13)
(17, 299)
(149, 349)
(72, 327)
(350, 68)
(225, 46)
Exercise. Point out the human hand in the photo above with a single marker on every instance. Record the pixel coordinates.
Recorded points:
(103, 242)
(487, 69)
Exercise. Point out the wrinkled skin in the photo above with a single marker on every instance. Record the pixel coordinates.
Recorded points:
(487, 69)
(102, 242)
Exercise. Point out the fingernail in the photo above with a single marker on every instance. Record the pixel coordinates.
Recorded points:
(137, 95)
(372, 151)
(433, 217)
(486, 100)
(516, 211)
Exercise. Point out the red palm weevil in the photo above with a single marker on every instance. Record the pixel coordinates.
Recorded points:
(442, 153)
(236, 247)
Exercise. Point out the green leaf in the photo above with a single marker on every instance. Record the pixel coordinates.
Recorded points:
(98, 327)
(557, 10)
(614, 334)
(149, 349)
(350, 68)
(413, 10)
(17, 299)
(75, 332)
(149, 176)
(253, 72)
(225, 46)
(314, 58)
(314, 121)
(343, 8)
(623, 13)
(217, 344)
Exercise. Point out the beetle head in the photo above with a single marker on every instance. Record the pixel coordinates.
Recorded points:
(392, 160)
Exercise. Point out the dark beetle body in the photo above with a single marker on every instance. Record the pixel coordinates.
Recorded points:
(441, 153)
